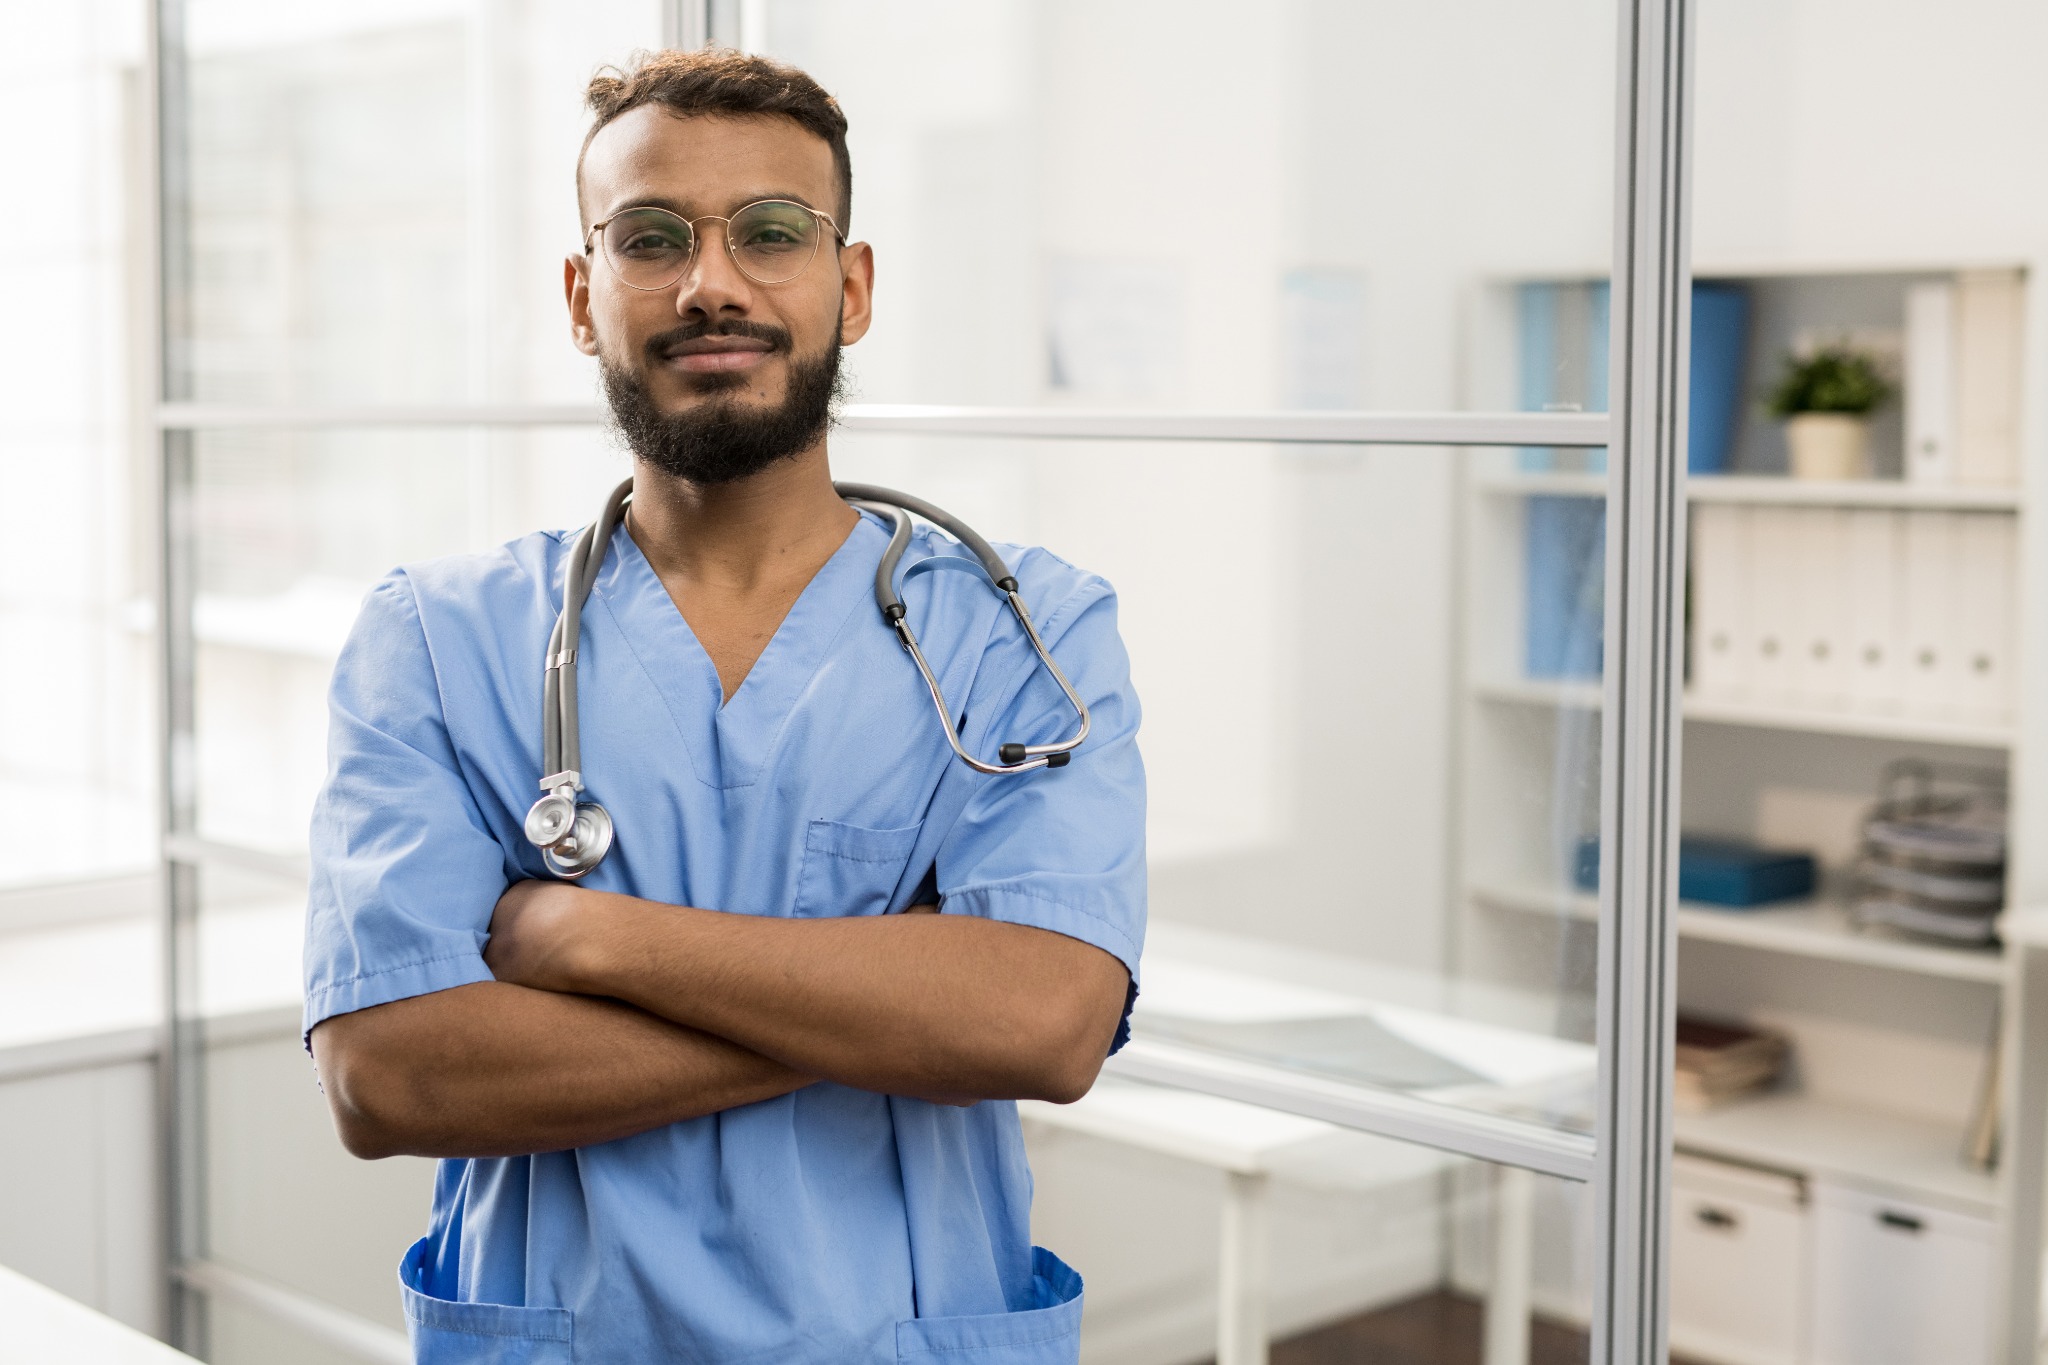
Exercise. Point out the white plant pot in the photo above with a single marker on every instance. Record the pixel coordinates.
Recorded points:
(1829, 445)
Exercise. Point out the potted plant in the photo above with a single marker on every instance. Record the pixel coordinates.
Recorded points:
(1826, 399)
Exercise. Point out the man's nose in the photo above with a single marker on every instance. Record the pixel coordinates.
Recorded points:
(713, 285)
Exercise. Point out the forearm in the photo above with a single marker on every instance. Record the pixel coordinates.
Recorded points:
(902, 1004)
(496, 1069)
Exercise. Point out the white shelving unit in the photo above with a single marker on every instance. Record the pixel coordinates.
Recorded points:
(1528, 777)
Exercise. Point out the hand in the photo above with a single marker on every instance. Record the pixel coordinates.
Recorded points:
(535, 931)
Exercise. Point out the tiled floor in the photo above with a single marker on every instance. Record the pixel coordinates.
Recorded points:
(1435, 1329)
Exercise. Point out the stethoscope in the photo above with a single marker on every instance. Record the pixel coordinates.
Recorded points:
(574, 836)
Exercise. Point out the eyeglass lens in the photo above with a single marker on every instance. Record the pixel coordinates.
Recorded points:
(771, 241)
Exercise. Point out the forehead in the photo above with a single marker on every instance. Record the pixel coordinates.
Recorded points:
(706, 163)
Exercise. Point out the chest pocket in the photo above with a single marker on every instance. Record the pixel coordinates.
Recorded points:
(850, 869)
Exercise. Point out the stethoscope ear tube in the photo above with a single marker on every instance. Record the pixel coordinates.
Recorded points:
(887, 502)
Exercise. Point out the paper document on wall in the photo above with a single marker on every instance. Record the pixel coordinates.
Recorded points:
(1116, 329)
(1322, 336)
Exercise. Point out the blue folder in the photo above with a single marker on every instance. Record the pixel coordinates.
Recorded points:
(1727, 872)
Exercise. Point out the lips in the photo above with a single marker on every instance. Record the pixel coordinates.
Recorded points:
(716, 354)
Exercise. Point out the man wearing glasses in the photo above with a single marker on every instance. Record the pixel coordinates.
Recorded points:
(717, 1103)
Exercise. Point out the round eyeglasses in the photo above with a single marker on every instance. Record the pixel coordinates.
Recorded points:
(772, 241)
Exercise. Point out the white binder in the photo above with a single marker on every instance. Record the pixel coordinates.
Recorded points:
(1819, 589)
(1985, 552)
(1930, 383)
(1721, 643)
(1873, 578)
(1988, 316)
(1930, 600)
(1774, 615)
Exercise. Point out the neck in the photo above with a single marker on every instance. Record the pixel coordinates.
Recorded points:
(741, 535)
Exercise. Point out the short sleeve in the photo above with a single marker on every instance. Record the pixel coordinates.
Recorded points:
(1063, 848)
(405, 873)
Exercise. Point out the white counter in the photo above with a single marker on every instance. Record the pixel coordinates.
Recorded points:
(39, 1325)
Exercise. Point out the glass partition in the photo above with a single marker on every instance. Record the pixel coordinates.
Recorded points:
(377, 199)
(1170, 205)
(1376, 677)
(1370, 678)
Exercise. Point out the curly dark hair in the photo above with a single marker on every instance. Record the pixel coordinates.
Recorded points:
(715, 80)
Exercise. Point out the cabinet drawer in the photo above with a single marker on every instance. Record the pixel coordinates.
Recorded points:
(1898, 1283)
(1738, 1263)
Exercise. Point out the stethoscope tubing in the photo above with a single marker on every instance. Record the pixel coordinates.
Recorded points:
(561, 746)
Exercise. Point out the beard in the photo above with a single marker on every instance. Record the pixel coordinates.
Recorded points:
(723, 440)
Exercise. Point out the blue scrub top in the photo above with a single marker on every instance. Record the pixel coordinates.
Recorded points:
(831, 1225)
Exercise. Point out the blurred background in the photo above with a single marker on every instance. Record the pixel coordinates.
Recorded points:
(287, 312)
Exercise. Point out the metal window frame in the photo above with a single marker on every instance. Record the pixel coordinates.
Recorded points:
(1627, 1160)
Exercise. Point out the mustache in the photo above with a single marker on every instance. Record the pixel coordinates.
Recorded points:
(778, 338)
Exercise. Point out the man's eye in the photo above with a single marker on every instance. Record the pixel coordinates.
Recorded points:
(647, 243)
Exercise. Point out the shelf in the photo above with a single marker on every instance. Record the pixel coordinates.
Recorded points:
(1849, 493)
(1887, 1153)
(1585, 696)
(1577, 696)
(1561, 483)
(1776, 489)
(1926, 730)
(1819, 929)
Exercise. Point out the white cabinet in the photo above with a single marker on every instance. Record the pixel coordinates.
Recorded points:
(1898, 1283)
(1739, 1260)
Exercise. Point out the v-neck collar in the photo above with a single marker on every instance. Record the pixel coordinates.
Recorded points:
(731, 738)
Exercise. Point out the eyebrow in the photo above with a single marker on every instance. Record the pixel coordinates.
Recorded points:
(681, 210)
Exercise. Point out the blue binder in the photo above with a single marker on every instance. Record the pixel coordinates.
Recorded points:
(1564, 585)
(1720, 344)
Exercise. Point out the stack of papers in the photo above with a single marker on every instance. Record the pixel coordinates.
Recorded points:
(1720, 1062)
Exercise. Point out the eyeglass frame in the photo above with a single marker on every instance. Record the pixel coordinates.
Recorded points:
(697, 238)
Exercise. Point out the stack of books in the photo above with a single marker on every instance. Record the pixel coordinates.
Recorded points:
(1719, 1062)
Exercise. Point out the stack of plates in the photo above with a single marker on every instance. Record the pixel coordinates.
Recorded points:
(1934, 866)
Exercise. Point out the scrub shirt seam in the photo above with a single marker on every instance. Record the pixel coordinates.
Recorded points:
(1031, 893)
(469, 1331)
(333, 986)
(455, 762)
(1093, 588)
(1057, 1334)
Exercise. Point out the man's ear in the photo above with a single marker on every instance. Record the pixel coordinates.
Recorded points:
(856, 291)
(576, 288)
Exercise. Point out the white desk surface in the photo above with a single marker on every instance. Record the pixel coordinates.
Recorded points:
(39, 1326)
(1225, 1134)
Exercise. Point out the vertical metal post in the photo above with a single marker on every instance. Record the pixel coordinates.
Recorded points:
(1651, 312)
(686, 23)
(179, 1075)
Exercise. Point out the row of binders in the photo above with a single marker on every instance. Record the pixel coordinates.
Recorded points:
(1867, 610)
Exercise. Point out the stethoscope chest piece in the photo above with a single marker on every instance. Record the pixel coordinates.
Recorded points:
(573, 836)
